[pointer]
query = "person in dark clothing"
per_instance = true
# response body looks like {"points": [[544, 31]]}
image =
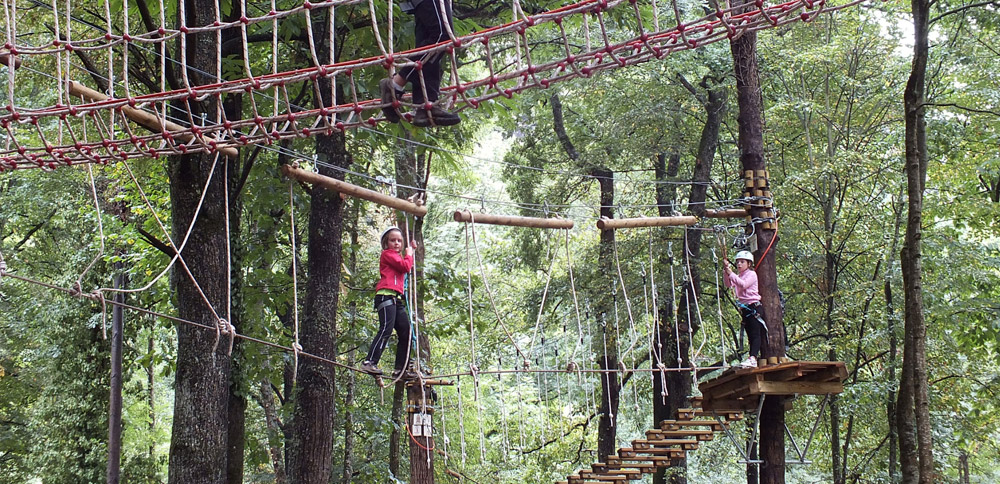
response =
{"points": [[430, 18]]}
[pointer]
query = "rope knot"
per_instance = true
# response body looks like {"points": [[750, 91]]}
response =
{"points": [[224, 326], [296, 347], [571, 366], [76, 290], [3, 267]]}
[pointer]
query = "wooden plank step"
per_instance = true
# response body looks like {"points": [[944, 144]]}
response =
{"points": [[692, 413], [679, 424], [644, 467], [656, 460], [629, 452], [701, 435], [615, 475], [582, 479], [686, 444]]}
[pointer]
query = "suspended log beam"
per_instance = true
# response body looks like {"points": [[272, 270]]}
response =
{"points": [[9, 60], [142, 118], [345, 188], [628, 223], [513, 220], [728, 213]]}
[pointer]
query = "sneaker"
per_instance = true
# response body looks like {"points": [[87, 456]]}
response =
{"points": [[370, 368], [390, 96], [436, 117], [750, 362]]}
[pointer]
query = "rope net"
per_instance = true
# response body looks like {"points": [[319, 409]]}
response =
{"points": [[53, 119]]}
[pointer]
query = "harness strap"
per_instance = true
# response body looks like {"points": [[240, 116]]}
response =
{"points": [[387, 302]]}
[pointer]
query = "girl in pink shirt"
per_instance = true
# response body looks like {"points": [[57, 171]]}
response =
{"points": [[744, 284], [393, 267]]}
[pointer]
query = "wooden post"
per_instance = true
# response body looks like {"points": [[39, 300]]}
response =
{"points": [[513, 220], [420, 430], [144, 119], [354, 190], [627, 223]]}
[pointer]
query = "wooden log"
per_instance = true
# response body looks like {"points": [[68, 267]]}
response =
{"points": [[728, 213], [142, 118], [628, 223], [7, 59], [354, 190], [513, 220]]}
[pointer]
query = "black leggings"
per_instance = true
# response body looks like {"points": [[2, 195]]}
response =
{"points": [[391, 316], [429, 28], [753, 327]]}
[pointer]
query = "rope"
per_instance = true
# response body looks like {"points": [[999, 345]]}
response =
{"points": [[718, 300], [486, 284], [632, 47]]}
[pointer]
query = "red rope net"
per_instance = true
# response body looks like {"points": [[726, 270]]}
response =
{"points": [[51, 120]]}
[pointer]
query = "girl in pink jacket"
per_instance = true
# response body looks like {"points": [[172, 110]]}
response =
{"points": [[744, 284], [393, 267]]}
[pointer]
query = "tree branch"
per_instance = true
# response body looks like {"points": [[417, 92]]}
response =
{"points": [[962, 9], [963, 108], [156, 243]]}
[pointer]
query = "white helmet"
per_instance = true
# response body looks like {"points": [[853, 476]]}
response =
{"points": [[745, 254], [386, 232]]}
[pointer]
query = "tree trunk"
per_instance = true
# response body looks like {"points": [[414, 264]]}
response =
{"points": [[273, 424], [666, 195], [199, 437], [916, 451], [605, 341], [311, 454], [751, 143]]}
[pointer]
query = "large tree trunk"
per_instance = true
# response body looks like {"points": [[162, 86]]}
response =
{"points": [[664, 405], [679, 383], [916, 454], [311, 454], [605, 338], [311, 449], [751, 143], [238, 387], [199, 439]]}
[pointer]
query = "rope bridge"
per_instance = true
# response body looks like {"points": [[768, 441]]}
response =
{"points": [[70, 124]]}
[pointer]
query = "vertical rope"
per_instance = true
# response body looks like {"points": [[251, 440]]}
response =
{"points": [[461, 418], [100, 228], [472, 324], [718, 300]]}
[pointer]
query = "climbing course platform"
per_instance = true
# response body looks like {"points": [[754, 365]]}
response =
{"points": [[742, 388], [724, 400]]}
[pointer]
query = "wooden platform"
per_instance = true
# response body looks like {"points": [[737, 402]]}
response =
{"points": [[740, 389]]}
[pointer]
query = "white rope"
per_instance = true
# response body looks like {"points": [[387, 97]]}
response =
{"points": [[489, 292], [541, 306], [718, 300], [673, 297]]}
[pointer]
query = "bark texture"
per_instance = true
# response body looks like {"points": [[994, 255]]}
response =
{"points": [[199, 439], [751, 143], [913, 406]]}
